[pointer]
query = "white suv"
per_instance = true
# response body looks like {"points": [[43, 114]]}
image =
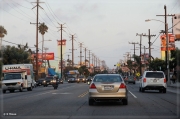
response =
{"points": [[153, 80]]}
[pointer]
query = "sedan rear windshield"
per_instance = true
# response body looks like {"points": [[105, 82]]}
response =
{"points": [[107, 79], [154, 75]]}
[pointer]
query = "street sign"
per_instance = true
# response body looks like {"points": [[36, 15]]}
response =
{"points": [[137, 74]]}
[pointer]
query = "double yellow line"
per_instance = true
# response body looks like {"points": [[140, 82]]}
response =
{"points": [[82, 95]]}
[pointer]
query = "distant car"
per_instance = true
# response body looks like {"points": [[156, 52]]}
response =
{"points": [[39, 82], [71, 79], [47, 81], [130, 79], [81, 79], [88, 80], [108, 87], [61, 81], [153, 80]]}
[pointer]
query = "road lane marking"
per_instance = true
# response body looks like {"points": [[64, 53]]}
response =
{"points": [[133, 94], [82, 95]]}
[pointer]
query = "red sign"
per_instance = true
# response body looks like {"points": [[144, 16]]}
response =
{"points": [[44, 56], [63, 42]]}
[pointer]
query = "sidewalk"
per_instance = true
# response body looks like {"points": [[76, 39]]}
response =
{"points": [[174, 85]]}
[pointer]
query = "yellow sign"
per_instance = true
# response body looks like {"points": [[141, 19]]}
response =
{"points": [[118, 64], [137, 74]]}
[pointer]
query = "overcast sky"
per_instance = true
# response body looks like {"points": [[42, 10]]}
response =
{"points": [[103, 26]]}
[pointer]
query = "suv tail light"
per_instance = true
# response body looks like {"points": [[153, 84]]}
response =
{"points": [[122, 85], [164, 80], [92, 86], [144, 80]]}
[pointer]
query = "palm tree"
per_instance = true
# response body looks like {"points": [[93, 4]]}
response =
{"points": [[3, 32], [43, 29]]}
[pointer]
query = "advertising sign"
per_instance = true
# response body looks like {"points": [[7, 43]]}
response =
{"points": [[171, 39], [176, 27], [45, 56], [63, 42]]}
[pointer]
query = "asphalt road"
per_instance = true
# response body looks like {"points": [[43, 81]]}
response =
{"points": [[70, 101]]}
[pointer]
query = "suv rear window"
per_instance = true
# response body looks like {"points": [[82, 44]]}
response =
{"points": [[154, 75]]}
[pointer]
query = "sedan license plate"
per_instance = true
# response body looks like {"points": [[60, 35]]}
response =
{"points": [[108, 87], [47, 83]]}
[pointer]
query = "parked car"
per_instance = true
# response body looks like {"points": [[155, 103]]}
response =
{"points": [[47, 81], [108, 87], [39, 82], [81, 78], [130, 79], [153, 80]]}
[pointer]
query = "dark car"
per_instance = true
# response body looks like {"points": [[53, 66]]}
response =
{"points": [[81, 79], [71, 79], [47, 81], [130, 79], [39, 82]]}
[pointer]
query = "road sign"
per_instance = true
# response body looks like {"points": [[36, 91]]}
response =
{"points": [[137, 74]]}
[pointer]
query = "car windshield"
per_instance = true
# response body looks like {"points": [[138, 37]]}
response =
{"points": [[48, 78], [81, 76], [72, 76], [154, 75], [107, 78], [130, 77], [12, 76]]}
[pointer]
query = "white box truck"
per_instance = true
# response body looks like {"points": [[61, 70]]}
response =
{"points": [[17, 77]]}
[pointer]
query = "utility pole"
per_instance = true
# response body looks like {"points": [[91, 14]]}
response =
{"points": [[73, 50], [80, 53], [167, 43], [140, 49], [37, 20], [85, 56], [61, 28], [92, 60], [89, 57], [149, 37], [134, 47]]}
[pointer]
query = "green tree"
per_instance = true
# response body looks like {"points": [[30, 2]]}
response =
{"points": [[158, 65], [43, 29], [14, 55]]}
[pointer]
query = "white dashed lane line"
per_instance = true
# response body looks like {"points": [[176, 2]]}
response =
{"points": [[132, 94]]}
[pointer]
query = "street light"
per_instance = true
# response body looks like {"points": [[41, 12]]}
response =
{"points": [[167, 45]]}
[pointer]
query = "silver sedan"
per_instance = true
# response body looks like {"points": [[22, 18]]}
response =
{"points": [[108, 87]]}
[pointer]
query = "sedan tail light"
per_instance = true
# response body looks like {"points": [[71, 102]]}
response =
{"points": [[122, 85], [144, 80], [92, 86]]}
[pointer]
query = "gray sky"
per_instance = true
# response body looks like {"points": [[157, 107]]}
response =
{"points": [[104, 26]]}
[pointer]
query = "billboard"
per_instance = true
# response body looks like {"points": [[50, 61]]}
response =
{"points": [[44, 56], [171, 39], [176, 27]]}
